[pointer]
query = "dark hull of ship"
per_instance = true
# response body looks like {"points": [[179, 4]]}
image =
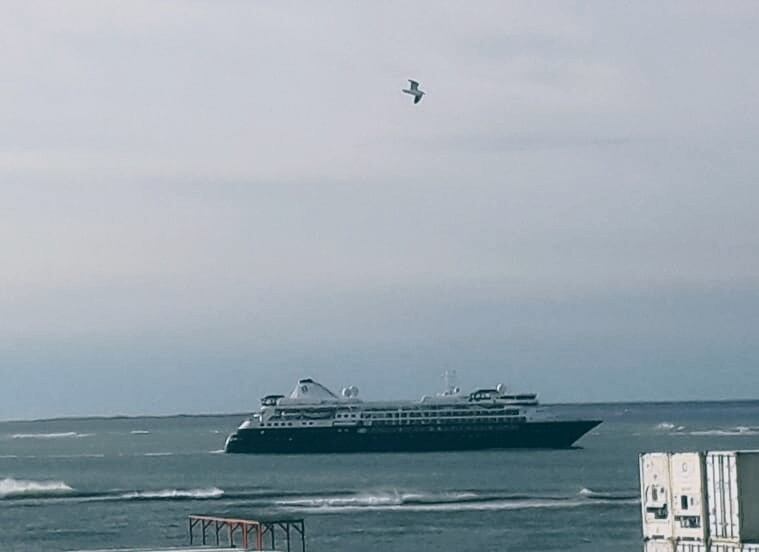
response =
{"points": [[550, 434]]}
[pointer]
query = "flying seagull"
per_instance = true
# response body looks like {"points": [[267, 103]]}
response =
{"points": [[414, 91]]}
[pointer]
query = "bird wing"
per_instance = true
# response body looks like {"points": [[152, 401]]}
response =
{"points": [[414, 84], [418, 99]]}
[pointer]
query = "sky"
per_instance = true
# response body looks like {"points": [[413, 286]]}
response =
{"points": [[201, 202]]}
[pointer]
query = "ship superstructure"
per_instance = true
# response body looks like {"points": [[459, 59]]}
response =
{"points": [[314, 419]]}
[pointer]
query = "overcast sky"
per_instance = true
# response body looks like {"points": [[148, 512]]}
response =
{"points": [[201, 202]]}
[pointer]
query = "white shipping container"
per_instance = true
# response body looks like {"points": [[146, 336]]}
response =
{"points": [[732, 481], [731, 547], [659, 545], [655, 493], [688, 498], [691, 546]]}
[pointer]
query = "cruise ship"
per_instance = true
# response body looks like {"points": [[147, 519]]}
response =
{"points": [[313, 419]]}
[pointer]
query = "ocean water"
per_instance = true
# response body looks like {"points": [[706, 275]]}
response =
{"points": [[80, 484]]}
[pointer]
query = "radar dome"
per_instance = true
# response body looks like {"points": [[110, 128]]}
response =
{"points": [[501, 388], [353, 390], [346, 392]]}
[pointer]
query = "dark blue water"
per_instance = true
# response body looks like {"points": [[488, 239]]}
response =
{"points": [[85, 484]]}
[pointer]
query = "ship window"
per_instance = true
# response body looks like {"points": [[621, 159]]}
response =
{"points": [[684, 502]]}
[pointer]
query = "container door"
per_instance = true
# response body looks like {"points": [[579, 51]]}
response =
{"points": [[656, 496], [688, 496], [722, 493], [748, 496]]}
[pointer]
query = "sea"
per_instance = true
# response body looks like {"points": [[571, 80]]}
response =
{"points": [[111, 483]]}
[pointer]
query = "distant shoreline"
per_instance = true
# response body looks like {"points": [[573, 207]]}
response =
{"points": [[243, 414]]}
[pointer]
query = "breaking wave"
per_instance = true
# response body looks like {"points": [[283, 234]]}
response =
{"points": [[59, 490], [173, 494], [730, 432], [86, 455], [609, 495], [22, 488], [324, 503], [451, 501], [60, 435]]}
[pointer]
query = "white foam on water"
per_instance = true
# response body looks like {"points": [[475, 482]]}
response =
{"points": [[442, 502], [93, 455], [619, 496], [493, 505], [139, 432], [198, 494], [388, 498], [20, 488], [59, 435], [665, 426], [158, 454], [738, 431]]}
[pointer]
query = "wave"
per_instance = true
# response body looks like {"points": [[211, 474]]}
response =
{"points": [[450, 501], [394, 498], [22, 488], [732, 432], [90, 455], [60, 435], [738, 431], [139, 432], [665, 426], [173, 494], [610, 495], [321, 503], [158, 454], [59, 490]]}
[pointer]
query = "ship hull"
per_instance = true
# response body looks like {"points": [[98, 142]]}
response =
{"points": [[548, 434]]}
